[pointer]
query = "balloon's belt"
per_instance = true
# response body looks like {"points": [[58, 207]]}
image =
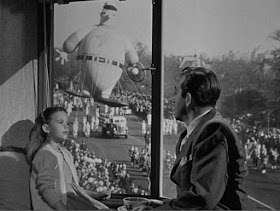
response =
{"points": [[100, 59]]}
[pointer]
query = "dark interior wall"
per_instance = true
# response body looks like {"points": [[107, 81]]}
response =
{"points": [[18, 69], [18, 21]]}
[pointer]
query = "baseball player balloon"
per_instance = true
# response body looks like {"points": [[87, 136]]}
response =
{"points": [[102, 53]]}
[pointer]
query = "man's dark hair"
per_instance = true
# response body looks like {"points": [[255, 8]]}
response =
{"points": [[202, 84]]}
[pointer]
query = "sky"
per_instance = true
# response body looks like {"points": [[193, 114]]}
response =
{"points": [[213, 27]]}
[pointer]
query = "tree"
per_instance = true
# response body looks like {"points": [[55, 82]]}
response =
{"points": [[171, 74], [235, 73], [242, 88], [275, 60]]}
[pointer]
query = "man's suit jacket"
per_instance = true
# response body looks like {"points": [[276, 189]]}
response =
{"points": [[210, 168]]}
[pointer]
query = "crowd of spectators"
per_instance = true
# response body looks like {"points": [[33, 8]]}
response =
{"points": [[139, 103], [262, 145], [98, 174]]}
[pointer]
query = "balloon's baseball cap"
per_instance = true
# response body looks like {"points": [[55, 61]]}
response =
{"points": [[111, 5]]}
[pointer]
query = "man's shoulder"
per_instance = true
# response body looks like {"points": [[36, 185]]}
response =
{"points": [[218, 124]]}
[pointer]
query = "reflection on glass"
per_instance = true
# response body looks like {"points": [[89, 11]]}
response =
{"points": [[234, 40], [101, 49]]}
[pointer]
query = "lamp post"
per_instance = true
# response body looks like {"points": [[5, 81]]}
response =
{"points": [[262, 140], [268, 118], [268, 115]]}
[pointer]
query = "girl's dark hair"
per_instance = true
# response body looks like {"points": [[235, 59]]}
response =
{"points": [[37, 136], [202, 84]]}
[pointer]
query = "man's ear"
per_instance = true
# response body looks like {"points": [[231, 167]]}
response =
{"points": [[45, 128], [188, 99]]}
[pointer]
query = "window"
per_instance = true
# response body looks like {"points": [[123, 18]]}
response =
{"points": [[239, 41], [96, 89]]}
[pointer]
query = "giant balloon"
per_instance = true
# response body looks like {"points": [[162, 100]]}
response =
{"points": [[102, 53], [102, 56]]}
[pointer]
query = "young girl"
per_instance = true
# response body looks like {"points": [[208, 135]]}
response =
{"points": [[54, 182]]}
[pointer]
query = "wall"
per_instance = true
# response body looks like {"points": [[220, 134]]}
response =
{"points": [[18, 70], [18, 102]]}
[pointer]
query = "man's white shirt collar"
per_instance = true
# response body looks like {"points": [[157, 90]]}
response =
{"points": [[192, 126]]}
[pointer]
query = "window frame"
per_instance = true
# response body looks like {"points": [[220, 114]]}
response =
{"points": [[46, 47]]}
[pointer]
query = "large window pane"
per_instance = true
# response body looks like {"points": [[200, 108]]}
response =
{"points": [[239, 41], [109, 110]]}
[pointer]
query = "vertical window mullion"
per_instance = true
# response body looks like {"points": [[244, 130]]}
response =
{"points": [[157, 100]]}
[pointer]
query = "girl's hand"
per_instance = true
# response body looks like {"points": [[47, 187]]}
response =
{"points": [[104, 194], [155, 203]]}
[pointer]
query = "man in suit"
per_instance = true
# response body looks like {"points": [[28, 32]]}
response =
{"points": [[210, 167]]}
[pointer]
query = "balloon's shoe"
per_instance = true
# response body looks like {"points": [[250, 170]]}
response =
{"points": [[111, 102], [86, 92], [78, 93]]}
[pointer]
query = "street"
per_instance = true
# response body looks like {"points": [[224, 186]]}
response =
{"points": [[263, 189]]}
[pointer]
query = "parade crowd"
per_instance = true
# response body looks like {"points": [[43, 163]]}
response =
{"points": [[98, 174], [262, 145]]}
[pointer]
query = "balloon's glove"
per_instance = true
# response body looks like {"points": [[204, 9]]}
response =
{"points": [[62, 56]]}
